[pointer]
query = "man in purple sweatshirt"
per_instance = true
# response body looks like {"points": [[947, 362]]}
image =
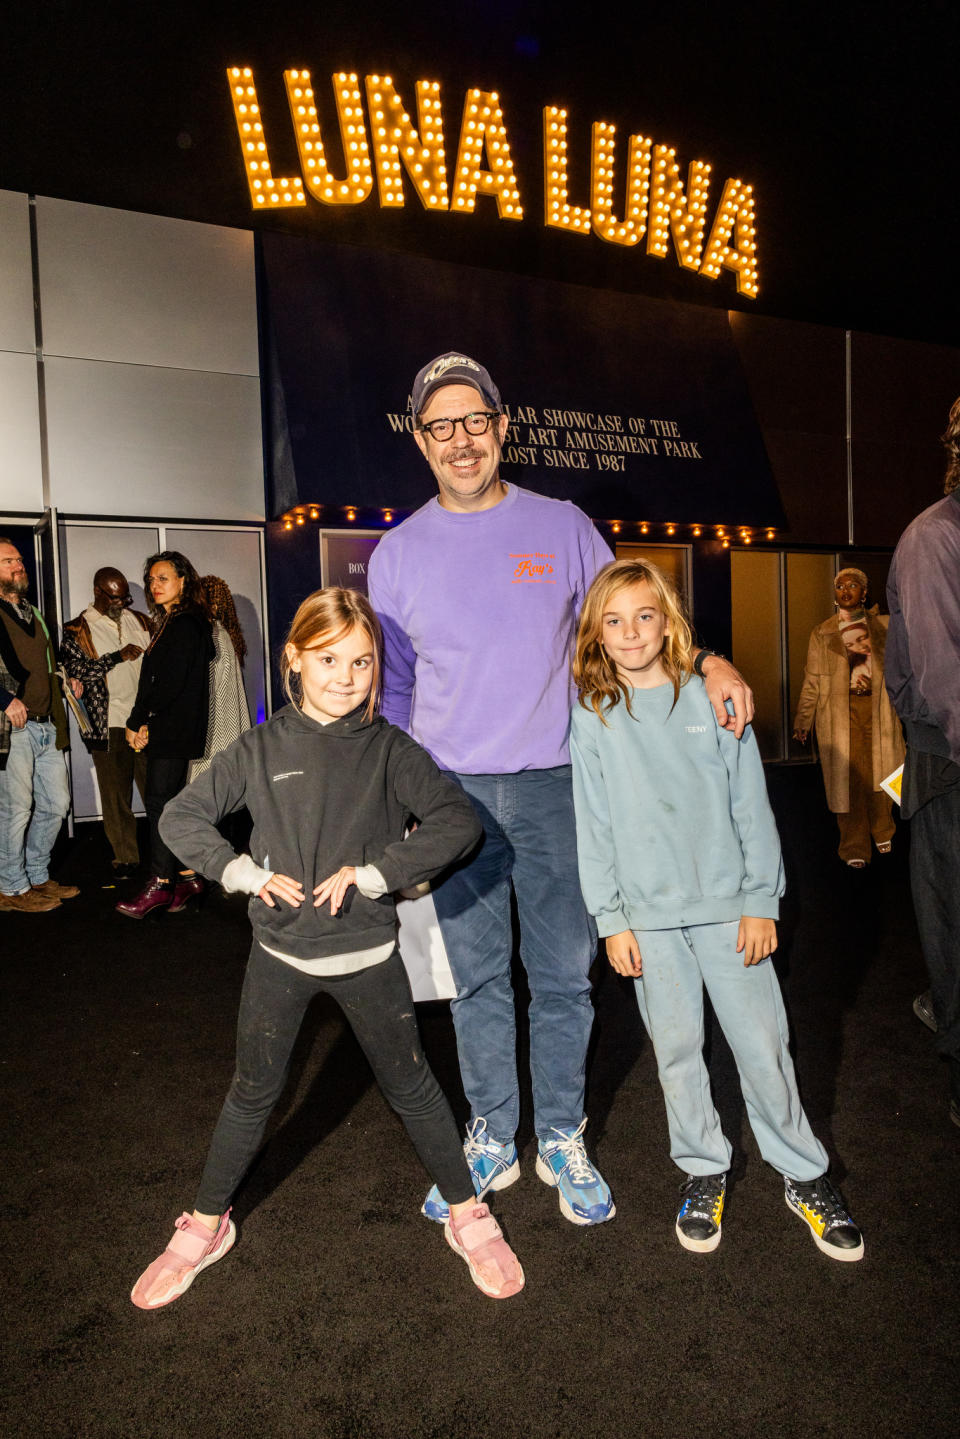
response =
{"points": [[478, 593], [922, 672]]}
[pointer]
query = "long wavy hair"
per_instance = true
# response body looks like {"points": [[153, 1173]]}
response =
{"points": [[951, 443], [324, 618], [191, 597], [219, 605], [598, 685]]}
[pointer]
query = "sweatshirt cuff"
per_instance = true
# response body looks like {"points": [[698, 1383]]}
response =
{"points": [[760, 906], [244, 876], [370, 882], [612, 921]]}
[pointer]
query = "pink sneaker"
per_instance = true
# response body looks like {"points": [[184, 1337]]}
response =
{"points": [[193, 1248], [477, 1237]]}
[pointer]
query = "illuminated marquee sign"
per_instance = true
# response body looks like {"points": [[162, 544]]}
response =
{"points": [[655, 203]]}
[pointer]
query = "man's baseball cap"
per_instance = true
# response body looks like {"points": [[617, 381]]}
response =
{"points": [[453, 369]]}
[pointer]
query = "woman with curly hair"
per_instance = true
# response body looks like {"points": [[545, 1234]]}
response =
{"points": [[228, 715], [169, 716]]}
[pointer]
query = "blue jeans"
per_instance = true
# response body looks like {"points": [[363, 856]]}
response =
{"points": [[677, 964], [529, 839], [34, 801]]}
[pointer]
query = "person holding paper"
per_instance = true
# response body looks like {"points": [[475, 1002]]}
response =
{"points": [[858, 734], [103, 648]]}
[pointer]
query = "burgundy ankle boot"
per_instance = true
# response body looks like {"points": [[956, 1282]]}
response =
{"points": [[156, 894], [188, 887]]}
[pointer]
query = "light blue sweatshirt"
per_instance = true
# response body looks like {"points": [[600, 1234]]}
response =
{"points": [[674, 827]]}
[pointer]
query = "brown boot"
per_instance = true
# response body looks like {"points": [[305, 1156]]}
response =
{"points": [[33, 902], [50, 889]]}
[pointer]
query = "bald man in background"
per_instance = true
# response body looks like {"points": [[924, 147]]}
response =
{"points": [[103, 647]]}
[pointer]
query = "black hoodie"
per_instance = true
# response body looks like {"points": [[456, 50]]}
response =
{"points": [[324, 796]]}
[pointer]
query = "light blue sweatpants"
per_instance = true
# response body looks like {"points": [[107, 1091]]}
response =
{"points": [[677, 964]]}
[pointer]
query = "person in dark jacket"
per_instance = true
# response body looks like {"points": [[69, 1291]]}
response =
{"points": [[169, 716], [923, 679], [332, 789], [34, 793]]}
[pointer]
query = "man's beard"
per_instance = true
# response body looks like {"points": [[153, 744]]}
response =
{"points": [[14, 589]]}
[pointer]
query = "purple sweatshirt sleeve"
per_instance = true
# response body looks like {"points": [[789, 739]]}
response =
{"points": [[399, 660]]}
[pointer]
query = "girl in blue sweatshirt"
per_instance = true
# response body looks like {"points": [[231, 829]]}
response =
{"points": [[680, 865], [332, 789]]}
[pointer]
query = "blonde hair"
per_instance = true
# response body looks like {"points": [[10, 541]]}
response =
{"points": [[325, 617], [594, 673]]}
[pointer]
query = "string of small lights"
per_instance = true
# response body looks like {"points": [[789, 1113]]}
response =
{"points": [[659, 531]]}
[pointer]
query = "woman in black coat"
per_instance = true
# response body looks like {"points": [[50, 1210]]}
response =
{"points": [[169, 716]]}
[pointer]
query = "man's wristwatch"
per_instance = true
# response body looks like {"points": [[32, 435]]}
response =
{"points": [[704, 654]]}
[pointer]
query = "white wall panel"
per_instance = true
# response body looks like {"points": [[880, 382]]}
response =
{"points": [[17, 331], [84, 549], [134, 440], [21, 479], [146, 290]]}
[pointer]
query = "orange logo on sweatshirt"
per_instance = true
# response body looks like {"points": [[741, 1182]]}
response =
{"points": [[533, 569]]}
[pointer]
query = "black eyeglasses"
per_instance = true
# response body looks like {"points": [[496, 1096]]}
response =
{"points": [[476, 423]]}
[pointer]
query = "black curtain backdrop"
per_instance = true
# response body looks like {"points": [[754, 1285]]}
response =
{"points": [[632, 408]]}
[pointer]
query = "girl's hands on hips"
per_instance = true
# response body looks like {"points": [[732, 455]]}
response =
{"points": [[623, 953], [335, 888], [756, 939], [284, 888]]}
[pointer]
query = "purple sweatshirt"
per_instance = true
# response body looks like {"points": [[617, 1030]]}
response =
{"points": [[479, 612]]}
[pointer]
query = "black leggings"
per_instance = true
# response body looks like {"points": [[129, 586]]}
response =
{"points": [[166, 777], [379, 1006]]}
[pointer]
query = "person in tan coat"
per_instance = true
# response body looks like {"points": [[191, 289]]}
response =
{"points": [[858, 733]]}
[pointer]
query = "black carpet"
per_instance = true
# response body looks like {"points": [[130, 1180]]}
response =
{"points": [[341, 1312]]}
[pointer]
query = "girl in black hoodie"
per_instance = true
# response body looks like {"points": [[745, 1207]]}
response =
{"points": [[332, 789]]}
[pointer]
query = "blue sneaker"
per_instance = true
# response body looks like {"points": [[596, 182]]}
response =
{"points": [[585, 1196], [492, 1166]]}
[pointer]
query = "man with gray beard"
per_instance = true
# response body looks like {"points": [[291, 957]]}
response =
{"points": [[34, 794]]}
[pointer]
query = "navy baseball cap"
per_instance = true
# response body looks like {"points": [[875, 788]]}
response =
{"points": [[453, 369]]}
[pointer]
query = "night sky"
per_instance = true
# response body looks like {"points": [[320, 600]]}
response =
{"points": [[842, 117]]}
